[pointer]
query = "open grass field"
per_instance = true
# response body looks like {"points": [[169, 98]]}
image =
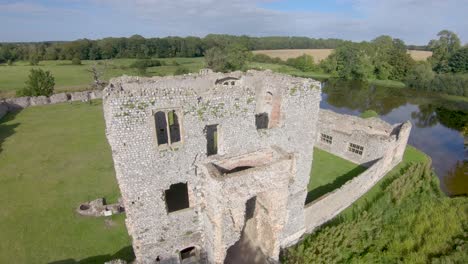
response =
{"points": [[320, 54], [70, 77], [52, 158]]}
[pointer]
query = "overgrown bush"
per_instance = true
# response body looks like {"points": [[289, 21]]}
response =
{"points": [[409, 220], [303, 63], [263, 58], [76, 61], [146, 63], [39, 83], [180, 70]]}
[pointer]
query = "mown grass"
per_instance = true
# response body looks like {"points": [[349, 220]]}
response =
{"points": [[52, 158], [70, 77], [405, 218], [328, 173]]}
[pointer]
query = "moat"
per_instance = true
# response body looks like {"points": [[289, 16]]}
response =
{"points": [[437, 123]]}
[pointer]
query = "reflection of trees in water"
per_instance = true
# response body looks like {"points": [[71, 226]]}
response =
{"points": [[426, 116], [452, 119], [360, 96], [456, 181]]}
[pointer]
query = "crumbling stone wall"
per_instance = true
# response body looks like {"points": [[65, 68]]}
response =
{"points": [[237, 103], [373, 134], [15, 104], [384, 146]]}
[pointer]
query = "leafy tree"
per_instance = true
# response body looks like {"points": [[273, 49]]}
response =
{"points": [[458, 62], [442, 49], [352, 62], [34, 60], [232, 58], [39, 83], [216, 59], [420, 76]]}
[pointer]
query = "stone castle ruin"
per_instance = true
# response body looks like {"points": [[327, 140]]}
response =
{"points": [[207, 162]]}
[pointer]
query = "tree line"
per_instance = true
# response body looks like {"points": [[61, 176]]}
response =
{"points": [[139, 47]]}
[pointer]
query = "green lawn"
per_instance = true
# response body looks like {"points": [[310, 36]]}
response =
{"points": [[52, 158], [329, 172], [70, 77]]}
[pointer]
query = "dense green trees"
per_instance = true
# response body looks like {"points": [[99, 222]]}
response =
{"points": [[231, 58], [139, 47], [304, 63], [445, 70], [39, 82], [442, 49]]}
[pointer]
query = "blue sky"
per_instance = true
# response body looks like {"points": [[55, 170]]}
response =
{"points": [[414, 21]]}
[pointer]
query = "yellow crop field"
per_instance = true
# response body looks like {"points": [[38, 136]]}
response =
{"points": [[320, 54]]}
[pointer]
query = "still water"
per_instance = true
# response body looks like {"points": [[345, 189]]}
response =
{"points": [[437, 123]]}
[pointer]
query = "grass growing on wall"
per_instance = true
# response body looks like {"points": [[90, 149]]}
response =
{"points": [[52, 158], [404, 219]]}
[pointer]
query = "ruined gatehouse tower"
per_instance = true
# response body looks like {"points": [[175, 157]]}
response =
{"points": [[204, 159]]}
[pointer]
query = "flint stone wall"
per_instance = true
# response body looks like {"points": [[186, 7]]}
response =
{"points": [[15, 104], [375, 135], [144, 171], [393, 147]]}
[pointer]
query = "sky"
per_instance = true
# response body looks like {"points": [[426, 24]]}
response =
{"points": [[414, 21]]}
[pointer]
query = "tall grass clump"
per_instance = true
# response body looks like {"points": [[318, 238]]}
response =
{"points": [[409, 221]]}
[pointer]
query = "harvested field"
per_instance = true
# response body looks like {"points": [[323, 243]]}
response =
{"points": [[420, 54], [284, 54], [320, 54]]}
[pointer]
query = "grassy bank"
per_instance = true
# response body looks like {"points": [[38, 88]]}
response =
{"points": [[52, 158], [403, 219]]}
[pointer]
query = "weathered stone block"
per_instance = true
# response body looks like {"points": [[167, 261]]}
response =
{"points": [[39, 100], [18, 103], [59, 98]]}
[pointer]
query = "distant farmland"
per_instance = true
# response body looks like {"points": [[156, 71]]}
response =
{"points": [[320, 54]]}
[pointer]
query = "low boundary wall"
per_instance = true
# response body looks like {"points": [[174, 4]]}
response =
{"points": [[330, 205], [14, 104]]}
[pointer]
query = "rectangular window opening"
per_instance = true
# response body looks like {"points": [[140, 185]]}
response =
{"points": [[177, 197], [161, 128], [326, 138], [174, 128], [212, 139], [354, 148], [261, 121]]}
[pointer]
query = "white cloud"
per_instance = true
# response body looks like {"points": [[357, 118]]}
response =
{"points": [[415, 21]]}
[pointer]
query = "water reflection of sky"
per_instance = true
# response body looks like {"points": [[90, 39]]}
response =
{"points": [[444, 145]]}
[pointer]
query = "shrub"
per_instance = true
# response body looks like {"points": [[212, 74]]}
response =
{"points": [[263, 58], [369, 113], [39, 83], [420, 76], [34, 61], [10, 62], [145, 63], [181, 70], [303, 63], [76, 61]]}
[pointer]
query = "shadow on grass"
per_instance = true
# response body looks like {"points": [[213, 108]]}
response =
{"points": [[337, 183], [125, 253], [7, 130]]}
